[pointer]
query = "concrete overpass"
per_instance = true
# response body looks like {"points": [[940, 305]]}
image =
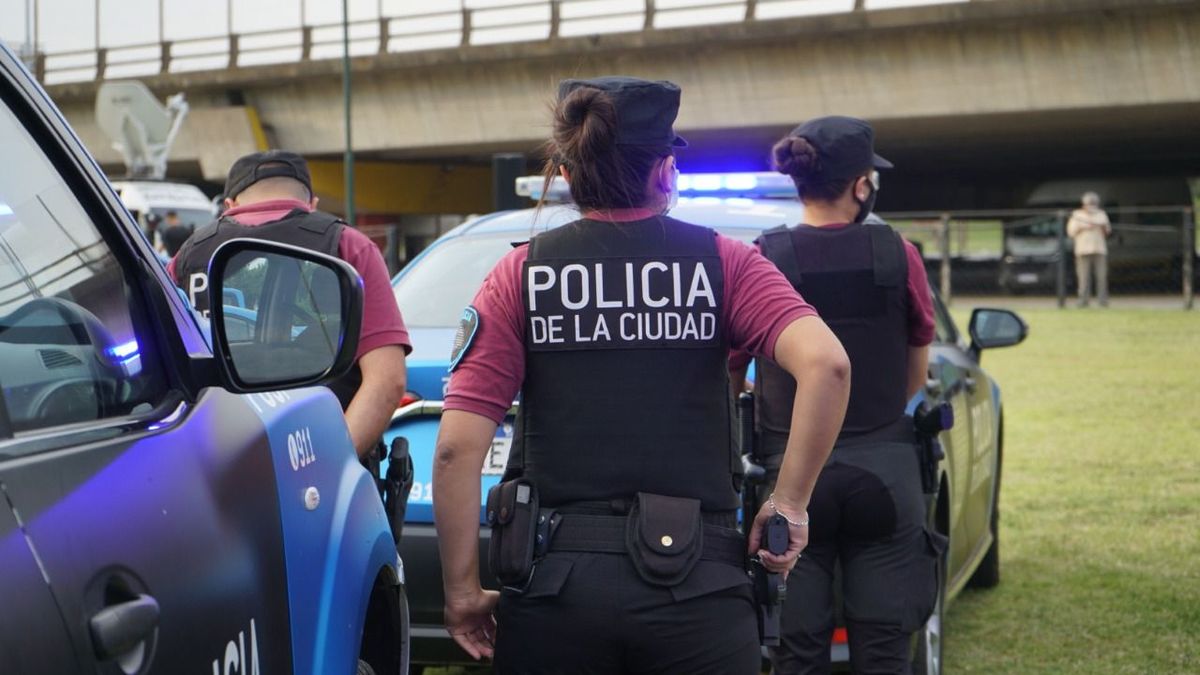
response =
{"points": [[972, 100]]}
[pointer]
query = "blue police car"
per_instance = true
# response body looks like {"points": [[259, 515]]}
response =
{"points": [[435, 287], [172, 501]]}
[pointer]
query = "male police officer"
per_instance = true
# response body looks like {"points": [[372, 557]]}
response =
{"points": [[268, 195]]}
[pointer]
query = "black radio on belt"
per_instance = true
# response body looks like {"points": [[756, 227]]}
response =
{"points": [[928, 422], [512, 511]]}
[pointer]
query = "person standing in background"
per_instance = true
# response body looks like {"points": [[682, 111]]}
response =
{"points": [[1089, 228]]}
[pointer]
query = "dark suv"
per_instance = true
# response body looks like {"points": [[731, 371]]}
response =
{"points": [[172, 501]]}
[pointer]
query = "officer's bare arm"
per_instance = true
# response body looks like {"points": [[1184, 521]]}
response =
{"points": [[463, 442], [811, 354], [383, 385], [918, 369]]}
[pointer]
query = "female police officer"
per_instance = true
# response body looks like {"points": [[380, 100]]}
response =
{"points": [[615, 329], [867, 508]]}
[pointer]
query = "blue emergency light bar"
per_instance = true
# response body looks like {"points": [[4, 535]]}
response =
{"points": [[760, 185]]}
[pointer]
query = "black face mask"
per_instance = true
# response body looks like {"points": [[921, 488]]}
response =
{"points": [[865, 206]]}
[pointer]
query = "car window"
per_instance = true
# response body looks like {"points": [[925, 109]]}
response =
{"points": [[943, 325], [68, 349], [190, 218]]}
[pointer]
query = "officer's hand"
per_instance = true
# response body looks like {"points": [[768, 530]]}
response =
{"points": [[797, 540], [469, 621]]}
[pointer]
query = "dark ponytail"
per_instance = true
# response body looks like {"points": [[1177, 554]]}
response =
{"points": [[796, 157], [604, 175]]}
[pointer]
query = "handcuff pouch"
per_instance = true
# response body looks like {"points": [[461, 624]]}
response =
{"points": [[664, 537]]}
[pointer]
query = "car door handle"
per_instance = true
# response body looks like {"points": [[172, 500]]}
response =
{"points": [[117, 629]]}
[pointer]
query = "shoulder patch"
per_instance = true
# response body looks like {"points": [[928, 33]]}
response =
{"points": [[468, 325]]}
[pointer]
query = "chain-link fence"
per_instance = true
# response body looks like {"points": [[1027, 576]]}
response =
{"points": [[1151, 252]]}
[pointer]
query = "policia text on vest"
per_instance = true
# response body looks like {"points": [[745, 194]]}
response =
{"points": [[621, 304]]}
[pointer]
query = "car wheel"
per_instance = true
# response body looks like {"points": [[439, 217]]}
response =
{"points": [[928, 658], [987, 575], [386, 641]]}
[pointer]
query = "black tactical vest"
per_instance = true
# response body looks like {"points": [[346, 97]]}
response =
{"points": [[315, 231], [857, 279], [626, 387]]}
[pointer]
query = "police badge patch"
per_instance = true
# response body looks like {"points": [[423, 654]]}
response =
{"points": [[468, 325]]}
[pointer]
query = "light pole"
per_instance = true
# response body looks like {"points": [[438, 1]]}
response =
{"points": [[348, 160]]}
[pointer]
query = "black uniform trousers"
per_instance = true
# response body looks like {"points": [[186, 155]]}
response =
{"points": [[592, 613], [868, 514]]}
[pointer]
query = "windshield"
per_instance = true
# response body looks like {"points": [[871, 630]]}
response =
{"points": [[434, 290], [189, 218]]}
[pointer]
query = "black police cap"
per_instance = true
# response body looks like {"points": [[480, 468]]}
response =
{"points": [[250, 169], [646, 110], [845, 145]]}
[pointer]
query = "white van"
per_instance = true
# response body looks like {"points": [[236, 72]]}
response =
{"points": [[151, 201]]}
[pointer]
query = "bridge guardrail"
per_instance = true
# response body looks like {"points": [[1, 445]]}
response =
{"points": [[472, 23]]}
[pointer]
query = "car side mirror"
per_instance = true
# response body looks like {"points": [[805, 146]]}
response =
{"points": [[297, 321], [991, 328]]}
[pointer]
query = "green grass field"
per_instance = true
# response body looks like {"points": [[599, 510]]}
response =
{"points": [[1100, 529]]}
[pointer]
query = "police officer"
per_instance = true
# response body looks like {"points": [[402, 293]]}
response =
{"points": [[615, 329], [867, 508], [268, 195]]}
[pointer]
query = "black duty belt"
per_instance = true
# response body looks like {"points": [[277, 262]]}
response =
{"points": [[606, 534]]}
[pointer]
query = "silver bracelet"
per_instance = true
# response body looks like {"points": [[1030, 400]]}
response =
{"points": [[793, 523]]}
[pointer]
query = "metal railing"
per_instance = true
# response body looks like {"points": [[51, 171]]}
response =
{"points": [[514, 21], [1151, 251]]}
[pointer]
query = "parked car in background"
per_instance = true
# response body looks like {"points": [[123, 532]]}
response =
{"points": [[435, 287], [1145, 249], [173, 501]]}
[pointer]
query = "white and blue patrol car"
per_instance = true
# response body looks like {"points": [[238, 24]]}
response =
{"points": [[434, 289]]}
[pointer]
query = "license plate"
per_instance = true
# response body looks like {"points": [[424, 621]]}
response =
{"points": [[497, 457], [1027, 278]]}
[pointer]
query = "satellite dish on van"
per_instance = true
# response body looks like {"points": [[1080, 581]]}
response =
{"points": [[141, 128]]}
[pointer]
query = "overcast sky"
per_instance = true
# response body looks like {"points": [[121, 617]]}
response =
{"points": [[65, 25]]}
